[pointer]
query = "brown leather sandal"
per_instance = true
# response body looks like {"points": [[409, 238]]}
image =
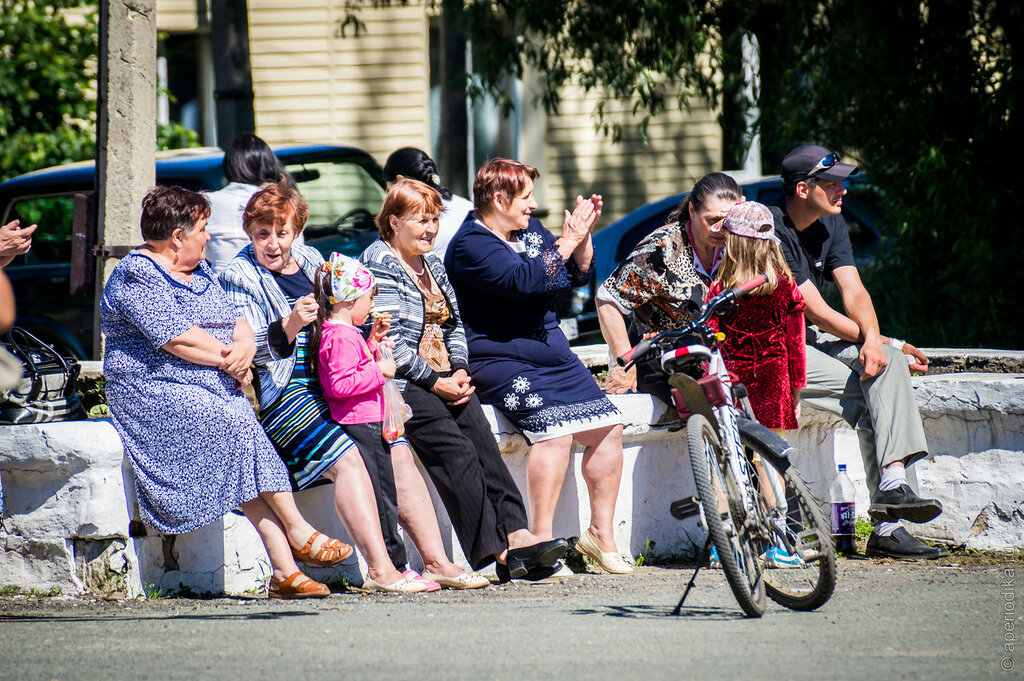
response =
{"points": [[331, 553], [287, 588]]}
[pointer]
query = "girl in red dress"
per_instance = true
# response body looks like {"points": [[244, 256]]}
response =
{"points": [[764, 334]]}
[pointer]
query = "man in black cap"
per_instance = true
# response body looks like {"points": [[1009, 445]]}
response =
{"points": [[852, 369]]}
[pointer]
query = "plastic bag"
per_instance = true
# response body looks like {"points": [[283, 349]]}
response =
{"points": [[396, 411]]}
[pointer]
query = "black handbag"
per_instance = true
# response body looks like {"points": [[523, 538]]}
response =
{"points": [[47, 389]]}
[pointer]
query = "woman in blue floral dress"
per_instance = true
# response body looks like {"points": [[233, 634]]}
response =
{"points": [[176, 355], [506, 270]]}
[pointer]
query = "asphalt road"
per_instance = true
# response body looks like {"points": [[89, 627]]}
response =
{"points": [[886, 620]]}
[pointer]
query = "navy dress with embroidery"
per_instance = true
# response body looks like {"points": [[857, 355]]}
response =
{"points": [[519, 359]]}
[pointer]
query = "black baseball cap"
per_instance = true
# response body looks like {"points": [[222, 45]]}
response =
{"points": [[811, 161]]}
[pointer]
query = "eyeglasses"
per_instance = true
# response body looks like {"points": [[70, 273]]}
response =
{"points": [[823, 165]]}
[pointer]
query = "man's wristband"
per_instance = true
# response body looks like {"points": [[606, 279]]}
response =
{"points": [[897, 343]]}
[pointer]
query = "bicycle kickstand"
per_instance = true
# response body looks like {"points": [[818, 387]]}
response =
{"points": [[701, 555]]}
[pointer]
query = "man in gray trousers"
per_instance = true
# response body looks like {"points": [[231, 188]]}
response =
{"points": [[853, 370]]}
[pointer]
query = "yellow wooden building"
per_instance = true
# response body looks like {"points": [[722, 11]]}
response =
{"points": [[312, 84]]}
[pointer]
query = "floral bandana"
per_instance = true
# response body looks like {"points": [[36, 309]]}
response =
{"points": [[349, 279]]}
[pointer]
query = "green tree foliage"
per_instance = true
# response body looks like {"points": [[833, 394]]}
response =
{"points": [[924, 96], [47, 112], [47, 86], [921, 94]]}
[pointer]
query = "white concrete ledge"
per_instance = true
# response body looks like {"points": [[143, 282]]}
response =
{"points": [[70, 504]]}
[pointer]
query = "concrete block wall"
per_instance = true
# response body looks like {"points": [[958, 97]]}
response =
{"points": [[70, 503]]}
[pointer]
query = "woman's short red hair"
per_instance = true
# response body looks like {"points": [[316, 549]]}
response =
{"points": [[407, 196], [501, 177], [273, 205]]}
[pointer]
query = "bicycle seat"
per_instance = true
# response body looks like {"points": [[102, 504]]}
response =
{"points": [[674, 360]]}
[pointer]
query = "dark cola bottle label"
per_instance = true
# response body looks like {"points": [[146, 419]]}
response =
{"points": [[844, 523]]}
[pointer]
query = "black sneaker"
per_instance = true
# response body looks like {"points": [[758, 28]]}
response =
{"points": [[901, 544], [902, 504]]}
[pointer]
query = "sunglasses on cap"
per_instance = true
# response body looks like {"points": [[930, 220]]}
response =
{"points": [[821, 166]]}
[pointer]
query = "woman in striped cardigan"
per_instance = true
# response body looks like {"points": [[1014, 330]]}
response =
{"points": [[448, 429], [270, 283]]}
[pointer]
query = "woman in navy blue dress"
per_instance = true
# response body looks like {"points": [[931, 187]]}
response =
{"points": [[506, 270]]}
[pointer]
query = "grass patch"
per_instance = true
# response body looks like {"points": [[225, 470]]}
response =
{"points": [[652, 557], [155, 593], [862, 530]]}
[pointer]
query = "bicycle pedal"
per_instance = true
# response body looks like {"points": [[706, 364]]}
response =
{"points": [[684, 508]]}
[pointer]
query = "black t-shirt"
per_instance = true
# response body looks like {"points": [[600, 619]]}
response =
{"points": [[295, 285], [816, 252]]}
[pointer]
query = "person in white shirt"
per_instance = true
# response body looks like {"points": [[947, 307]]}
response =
{"points": [[415, 164], [248, 163]]}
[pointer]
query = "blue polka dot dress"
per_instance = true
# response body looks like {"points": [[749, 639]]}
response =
{"points": [[196, 448]]}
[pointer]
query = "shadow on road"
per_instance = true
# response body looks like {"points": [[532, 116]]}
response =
{"points": [[130, 618], [658, 611]]}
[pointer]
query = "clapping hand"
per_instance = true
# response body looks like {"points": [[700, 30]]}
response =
{"points": [[583, 217]]}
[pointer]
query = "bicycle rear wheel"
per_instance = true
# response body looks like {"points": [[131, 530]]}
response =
{"points": [[724, 514], [794, 549]]}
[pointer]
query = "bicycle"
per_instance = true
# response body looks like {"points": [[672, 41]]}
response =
{"points": [[769, 532]]}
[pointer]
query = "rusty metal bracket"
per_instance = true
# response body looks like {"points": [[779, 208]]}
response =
{"points": [[111, 251]]}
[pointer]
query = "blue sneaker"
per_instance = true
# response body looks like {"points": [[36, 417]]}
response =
{"points": [[778, 557], [713, 558]]}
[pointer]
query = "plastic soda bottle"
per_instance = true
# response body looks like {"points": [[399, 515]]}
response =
{"points": [[844, 513]]}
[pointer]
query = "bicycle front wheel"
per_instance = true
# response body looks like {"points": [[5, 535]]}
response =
{"points": [[794, 547], [723, 511]]}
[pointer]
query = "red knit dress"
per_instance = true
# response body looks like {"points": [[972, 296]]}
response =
{"points": [[764, 347]]}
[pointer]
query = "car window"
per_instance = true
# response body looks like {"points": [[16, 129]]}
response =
{"points": [[768, 195], [51, 242], [343, 199], [336, 191]]}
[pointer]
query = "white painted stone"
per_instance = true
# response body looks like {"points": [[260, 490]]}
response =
{"points": [[69, 496]]}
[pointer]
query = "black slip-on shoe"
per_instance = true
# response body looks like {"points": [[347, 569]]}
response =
{"points": [[901, 544], [542, 553], [534, 574], [902, 504]]}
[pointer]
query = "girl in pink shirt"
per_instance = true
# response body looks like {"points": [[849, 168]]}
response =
{"points": [[352, 380]]}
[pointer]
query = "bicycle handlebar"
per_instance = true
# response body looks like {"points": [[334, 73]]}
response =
{"points": [[724, 298]]}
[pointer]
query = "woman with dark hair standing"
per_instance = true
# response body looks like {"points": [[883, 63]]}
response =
{"points": [[664, 281], [248, 163], [410, 162]]}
